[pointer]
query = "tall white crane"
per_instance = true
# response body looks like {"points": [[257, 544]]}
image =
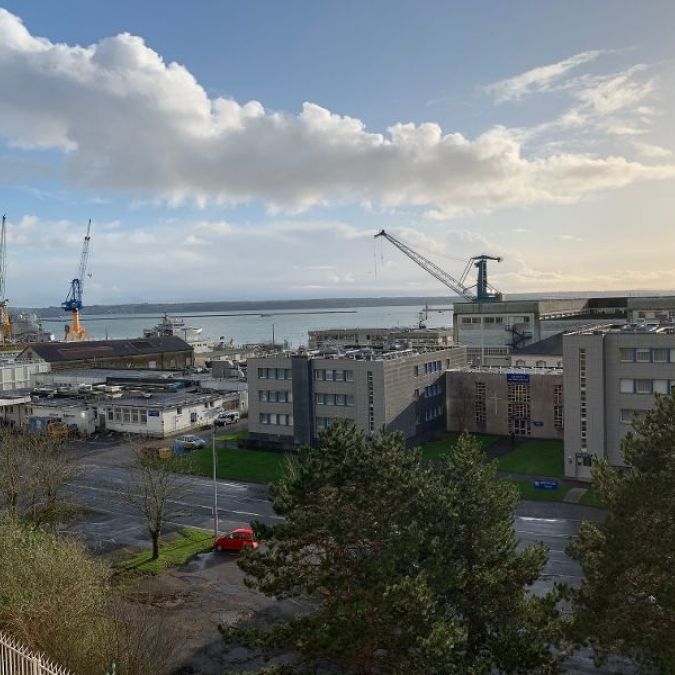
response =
{"points": [[484, 292]]}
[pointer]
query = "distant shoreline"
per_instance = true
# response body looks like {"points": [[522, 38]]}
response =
{"points": [[312, 303]]}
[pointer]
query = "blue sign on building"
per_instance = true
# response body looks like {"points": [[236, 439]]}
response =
{"points": [[520, 378], [537, 424], [153, 413]]}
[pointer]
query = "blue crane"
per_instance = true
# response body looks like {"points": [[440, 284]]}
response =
{"points": [[73, 301]]}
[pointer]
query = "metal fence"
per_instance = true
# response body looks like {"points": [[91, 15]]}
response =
{"points": [[15, 659]]}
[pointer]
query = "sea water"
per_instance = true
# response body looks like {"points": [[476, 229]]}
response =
{"points": [[244, 327]]}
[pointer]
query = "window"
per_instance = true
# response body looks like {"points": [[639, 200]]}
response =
{"points": [[134, 415], [627, 416], [126, 415], [281, 396], [627, 355], [276, 419], [416, 370], [643, 355], [274, 373], [334, 399], [109, 414], [179, 410], [480, 403], [489, 319], [334, 375], [143, 416], [626, 386], [643, 386], [466, 319], [433, 413], [558, 407], [541, 364], [660, 355], [661, 386]]}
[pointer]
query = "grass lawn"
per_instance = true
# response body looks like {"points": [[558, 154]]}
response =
{"points": [[528, 491], [245, 464], [538, 457], [240, 435], [172, 553], [438, 448], [591, 498]]}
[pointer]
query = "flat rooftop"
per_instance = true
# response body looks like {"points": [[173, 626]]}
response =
{"points": [[509, 370], [645, 328], [364, 354]]}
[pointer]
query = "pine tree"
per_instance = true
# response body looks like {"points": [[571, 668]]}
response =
{"points": [[626, 603], [408, 569]]}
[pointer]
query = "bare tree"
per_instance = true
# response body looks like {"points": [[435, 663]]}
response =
{"points": [[153, 489], [34, 473]]}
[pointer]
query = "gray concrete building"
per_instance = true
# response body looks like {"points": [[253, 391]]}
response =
{"points": [[293, 397], [492, 330], [527, 402], [379, 338], [611, 375]]}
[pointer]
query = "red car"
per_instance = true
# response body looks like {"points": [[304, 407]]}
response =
{"points": [[236, 540]]}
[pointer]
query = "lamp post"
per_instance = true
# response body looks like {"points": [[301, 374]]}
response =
{"points": [[215, 481]]}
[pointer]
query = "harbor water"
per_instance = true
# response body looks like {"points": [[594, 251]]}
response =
{"points": [[259, 325]]}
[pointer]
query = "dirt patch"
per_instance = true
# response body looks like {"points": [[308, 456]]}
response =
{"points": [[195, 599]]}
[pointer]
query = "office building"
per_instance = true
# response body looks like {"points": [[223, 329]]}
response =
{"points": [[292, 397], [611, 374], [379, 338], [527, 402]]}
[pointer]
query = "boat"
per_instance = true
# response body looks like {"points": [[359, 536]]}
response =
{"points": [[174, 325], [27, 327]]}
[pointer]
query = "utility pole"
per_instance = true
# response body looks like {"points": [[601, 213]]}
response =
{"points": [[215, 480]]}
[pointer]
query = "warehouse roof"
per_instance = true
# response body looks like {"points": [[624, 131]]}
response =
{"points": [[54, 352]]}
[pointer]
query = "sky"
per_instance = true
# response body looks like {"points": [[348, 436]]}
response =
{"points": [[250, 150]]}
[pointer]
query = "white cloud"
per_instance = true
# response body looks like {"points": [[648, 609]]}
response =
{"points": [[537, 79], [569, 237], [652, 151], [128, 121]]}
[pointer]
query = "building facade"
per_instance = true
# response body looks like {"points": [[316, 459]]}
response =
{"points": [[379, 338], [527, 402], [611, 375], [292, 398]]}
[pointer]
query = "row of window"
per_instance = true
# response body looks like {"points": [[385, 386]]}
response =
{"points": [[325, 422], [432, 390], [432, 413], [433, 367], [281, 396], [278, 419], [274, 373], [329, 375], [127, 415], [476, 320], [334, 399], [627, 416], [644, 386], [640, 355]]}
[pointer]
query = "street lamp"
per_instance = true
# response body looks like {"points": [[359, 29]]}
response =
{"points": [[215, 481]]}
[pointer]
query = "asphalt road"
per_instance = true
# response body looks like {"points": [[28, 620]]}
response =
{"points": [[114, 523]]}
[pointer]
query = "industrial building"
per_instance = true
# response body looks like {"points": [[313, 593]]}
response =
{"points": [[294, 396], [492, 330], [546, 353], [379, 338], [611, 374], [169, 352], [17, 375], [527, 402]]}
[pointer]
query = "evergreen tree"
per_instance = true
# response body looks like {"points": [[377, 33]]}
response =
{"points": [[408, 569], [626, 603]]}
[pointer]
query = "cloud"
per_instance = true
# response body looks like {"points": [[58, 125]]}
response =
{"points": [[652, 151], [537, 79], [125, 120], [569, 237]]}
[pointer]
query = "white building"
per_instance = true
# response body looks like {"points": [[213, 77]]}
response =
{"points": [[161, 415]]}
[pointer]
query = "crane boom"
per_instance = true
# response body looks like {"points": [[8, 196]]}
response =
{"points": [[73, 300], [484, 292], [455, 285]]}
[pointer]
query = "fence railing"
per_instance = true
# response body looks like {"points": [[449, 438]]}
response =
{"points": [[16, 659]]}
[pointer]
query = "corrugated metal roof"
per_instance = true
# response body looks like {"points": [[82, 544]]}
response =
{"points": [[54, 352]]}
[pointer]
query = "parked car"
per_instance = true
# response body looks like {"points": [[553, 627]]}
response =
{"points": [[190, 442], [236, 540], [225, 418]]}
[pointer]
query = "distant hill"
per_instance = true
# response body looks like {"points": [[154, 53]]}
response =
{"points": [[312, 303]]}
